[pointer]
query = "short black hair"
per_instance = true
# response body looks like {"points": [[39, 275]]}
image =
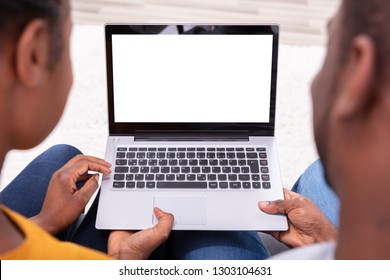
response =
{"points": [[371, 18], [16, 14]]}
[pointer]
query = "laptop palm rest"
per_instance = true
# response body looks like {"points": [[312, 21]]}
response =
{"points": [[187, 210]]}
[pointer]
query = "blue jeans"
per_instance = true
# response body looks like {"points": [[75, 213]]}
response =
{"points": [[26, 193]]}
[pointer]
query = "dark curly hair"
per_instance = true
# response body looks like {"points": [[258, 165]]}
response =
{"points": [[16, 14]]}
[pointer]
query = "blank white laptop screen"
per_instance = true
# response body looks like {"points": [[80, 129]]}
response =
{"points": [[192, 79]]}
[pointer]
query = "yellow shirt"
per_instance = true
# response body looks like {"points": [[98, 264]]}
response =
{"points": [[39, 245]]}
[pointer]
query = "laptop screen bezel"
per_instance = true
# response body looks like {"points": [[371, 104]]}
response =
{"points": [[250, 129]]}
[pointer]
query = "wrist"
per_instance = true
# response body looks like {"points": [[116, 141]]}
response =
{"points": [[44, 223], [329, 233]]}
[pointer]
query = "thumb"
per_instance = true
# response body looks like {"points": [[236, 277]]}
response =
{"points": [[276, 207], [85, 193], [164, 226]]}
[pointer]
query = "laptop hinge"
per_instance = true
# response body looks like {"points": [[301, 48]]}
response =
{"points": [[191, 136]]}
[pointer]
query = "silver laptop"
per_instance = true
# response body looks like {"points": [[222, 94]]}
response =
{"points": [[191, 127]]}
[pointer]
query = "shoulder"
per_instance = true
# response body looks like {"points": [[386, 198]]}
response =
{"points": [[321, 251], [40, 245]]}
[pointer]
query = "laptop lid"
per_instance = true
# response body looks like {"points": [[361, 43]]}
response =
{"points": [[201, 79]]}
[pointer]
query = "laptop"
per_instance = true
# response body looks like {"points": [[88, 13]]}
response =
{"points": [[191, 127]]}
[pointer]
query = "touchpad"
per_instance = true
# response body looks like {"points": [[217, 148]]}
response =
{"points": [[188, 210]]}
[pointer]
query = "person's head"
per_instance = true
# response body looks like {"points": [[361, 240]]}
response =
{"points": [[35, 69], [351, 94]]}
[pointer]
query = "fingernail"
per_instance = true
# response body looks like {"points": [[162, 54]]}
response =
{"points": [[264, 203]]}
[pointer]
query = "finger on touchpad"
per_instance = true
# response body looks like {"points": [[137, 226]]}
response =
{"points": [[188, 210]]}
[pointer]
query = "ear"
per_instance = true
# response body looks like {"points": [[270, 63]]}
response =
{"points": [[357, 79], [32, 53]]}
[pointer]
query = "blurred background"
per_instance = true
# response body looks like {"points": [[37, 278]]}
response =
{"points": [[302, 21]]}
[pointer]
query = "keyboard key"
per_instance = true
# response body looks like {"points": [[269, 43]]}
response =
{"points": [[216, 169], [120, 155], [190, 155], [121, 169], [193, 162], [152, 149], [172, 149], [191, 177], [232, 177], [118, 185], [143, 149], [163, 162], [141, 155], [231, 155], [170, 177], [181, 149], [173, 162], [211, 177], [240, 155], [181, 155], [160, 177], [223, 162], [229, 149], [121, 162], [210, 155], [213, 185], [263, 162], [161, 149], [223, 185], [134, 169], [250, 149], [226, 169], [264, 170], [245, 170], [180, 177], [133, 162], [262, 155], [185, 169], [171, 155], [255, 177], [266, 185], [203, 162], [121, 149], [155, 169], [201, 155], [244, 177], [236, 170], [242, 162], [129, 177], [133, 149], [191, 149], [235, 185], [220, 149], [246, 185], [211, 149], [175, 169], [251, 155], [201, 177], [221, 155], [143, 162], [164, 169], [149, 177], [140, 185], [265, 178], [195, 170], [254, 166], [151, 155], [139, 177], [261, 149], [239, 149], [130, 185], [144, 169], [233, 162], [201, 149], [153, 162], [119, 177], [183, 162], [213, 162], [256, 185], [130, 155], [182, 185], [206, 169], [222, 177], [150, 185]]}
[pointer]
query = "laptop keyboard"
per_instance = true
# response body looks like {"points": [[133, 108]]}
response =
{"points": [[191, 168]]}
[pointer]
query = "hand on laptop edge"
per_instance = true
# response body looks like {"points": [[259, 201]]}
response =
{"points": [[138, 245], [307, 224], [64, 202]]}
